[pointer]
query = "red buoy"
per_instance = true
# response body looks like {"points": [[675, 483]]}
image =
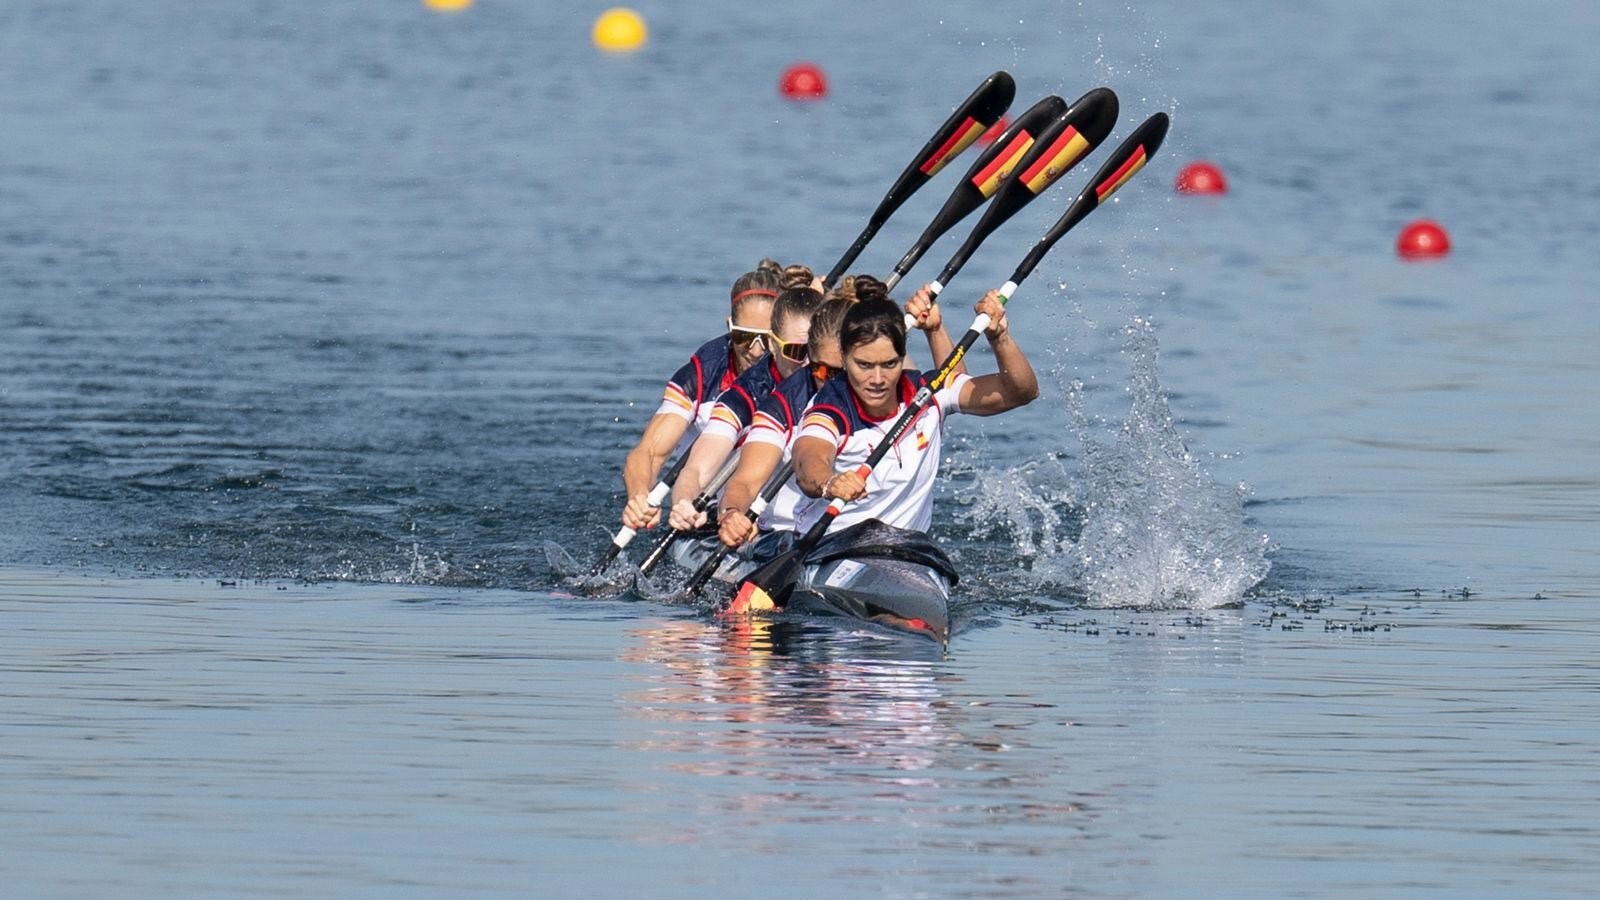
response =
{"points": [[803, 81], [995, 130], [1201, 178], [1422, 239]]}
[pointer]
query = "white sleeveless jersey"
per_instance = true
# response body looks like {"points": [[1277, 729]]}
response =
{"points": [[900, 488]]}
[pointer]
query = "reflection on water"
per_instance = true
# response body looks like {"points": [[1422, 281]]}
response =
{"points": [[793, 695], [791, 731]]}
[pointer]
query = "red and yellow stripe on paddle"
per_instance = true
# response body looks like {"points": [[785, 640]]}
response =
{"points": [[1120, 177], [963, 137], [1061, 155], [988, 180]]}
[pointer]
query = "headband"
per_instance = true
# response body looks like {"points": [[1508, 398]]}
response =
{"points": [[753, 292]]}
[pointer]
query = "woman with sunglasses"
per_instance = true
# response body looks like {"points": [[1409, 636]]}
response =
{"points": [[849, 417], [693, 390], [775, 425], [735, 410]]}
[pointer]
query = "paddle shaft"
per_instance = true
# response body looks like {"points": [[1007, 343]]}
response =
{"points": [[775, 483], [702, 502], [655, 498], [1061, 143], [983, 108], [983, 179]]}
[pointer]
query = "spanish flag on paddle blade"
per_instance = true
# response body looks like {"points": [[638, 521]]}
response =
{"points": [[988, 180], [963, 137], [1120, 177], [1067, 148]]}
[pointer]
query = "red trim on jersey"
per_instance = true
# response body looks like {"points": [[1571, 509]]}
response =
{"points": [[906, 393], [699, 379], [788, 411]]}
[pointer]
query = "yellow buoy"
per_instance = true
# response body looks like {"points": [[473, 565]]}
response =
{"points": [[447, 5], [620, 30]]}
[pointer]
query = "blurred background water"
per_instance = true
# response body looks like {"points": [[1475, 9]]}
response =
{"points": [[361, 293]]}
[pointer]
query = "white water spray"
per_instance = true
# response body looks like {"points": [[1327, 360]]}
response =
{"points": [[1154, 530]]}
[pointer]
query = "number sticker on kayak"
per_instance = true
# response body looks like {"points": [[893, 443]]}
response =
{"points": [[843, 573]]}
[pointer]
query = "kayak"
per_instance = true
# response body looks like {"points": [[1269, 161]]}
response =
{"points": [[870, 572]]}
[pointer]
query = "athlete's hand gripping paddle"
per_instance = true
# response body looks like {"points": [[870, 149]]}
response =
{"points": [[775, 483], [702, 502], [760, 589], [654, 499]]}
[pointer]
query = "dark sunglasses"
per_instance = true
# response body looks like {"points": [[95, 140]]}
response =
{"points": [[743, 336], [796, 351], [822, 371]]}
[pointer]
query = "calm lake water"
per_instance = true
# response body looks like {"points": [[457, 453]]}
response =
{"points": [[319, 323]]}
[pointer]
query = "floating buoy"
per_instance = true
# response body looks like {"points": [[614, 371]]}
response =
{"points": [[1422, 239], [803, 81], [995, 130], [620, 30], [1201, 178], [447, 5]]}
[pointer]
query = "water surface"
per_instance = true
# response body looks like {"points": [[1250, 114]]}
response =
{"points": [[1282, 588]]}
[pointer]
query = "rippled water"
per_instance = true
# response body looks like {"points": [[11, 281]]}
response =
{"points": [[339, 313]]}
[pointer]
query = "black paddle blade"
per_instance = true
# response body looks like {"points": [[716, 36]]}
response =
{"points": [[971, 119], [1123, 163], [984, 178], [1071, 137]]}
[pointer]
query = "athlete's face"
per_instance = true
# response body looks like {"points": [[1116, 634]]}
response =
{"points": [[756, 315], [827, 352], [792, 331], [874, 369]]}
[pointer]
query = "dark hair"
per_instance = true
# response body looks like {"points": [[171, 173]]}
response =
{"points": [[825, 324], [762, 283], [795, 302], [869, 288], [871, 319]]}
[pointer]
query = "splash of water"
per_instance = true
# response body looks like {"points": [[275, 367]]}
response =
{"points": [[616, 576], [1152, 529]]}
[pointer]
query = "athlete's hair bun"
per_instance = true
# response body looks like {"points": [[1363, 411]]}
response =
{"points": [[797, 277], [870, 288]]}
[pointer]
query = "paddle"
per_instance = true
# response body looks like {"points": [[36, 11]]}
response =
{"points": [[769, 490], [1070, 138], [757, 591], [983, 179], [971, 119], [657, 495], [975, 114], [702, 502]]}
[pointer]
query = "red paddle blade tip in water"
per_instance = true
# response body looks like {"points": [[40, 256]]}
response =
{"points": [[750, 599]]}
